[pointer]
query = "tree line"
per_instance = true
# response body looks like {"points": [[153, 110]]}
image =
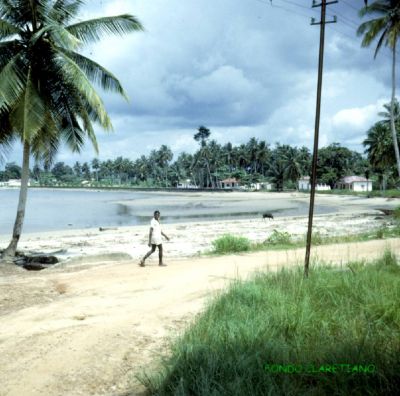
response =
{"points": [[251, 162]]}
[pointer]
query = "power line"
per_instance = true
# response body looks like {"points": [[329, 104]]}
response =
{"points": [[350, 5], [340, 22]]}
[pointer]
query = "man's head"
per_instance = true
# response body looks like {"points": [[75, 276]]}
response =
{"points": [[157, 214]]}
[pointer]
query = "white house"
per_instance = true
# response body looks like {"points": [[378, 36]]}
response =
{"points": [[186, 184], [229, 183], [13, 183], [355, 183], [261, 186], [305, 184]]}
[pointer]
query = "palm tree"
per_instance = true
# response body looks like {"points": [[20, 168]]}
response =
{"points": [[378, 147], [164, 156], [96, 166], [46, 95], [386, 26], [292, 165], [204, 153]]}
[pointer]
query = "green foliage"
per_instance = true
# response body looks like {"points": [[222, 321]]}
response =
{"points": [[333, 317], [279, 238], [230, 244], [396, 212]]}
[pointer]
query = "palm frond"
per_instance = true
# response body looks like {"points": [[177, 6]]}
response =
{"points": [[380, 42], [94, 29], [29, 113], [78, 79], [64, 10], [6, 143], [8, 49], [7, 29], [58, 35], [46, 142], [12, 12], [87, 125], [73, 135], [96, 73], [12, 82]]}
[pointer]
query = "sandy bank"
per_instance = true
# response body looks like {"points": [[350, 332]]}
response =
{"points": [[89, 331]]}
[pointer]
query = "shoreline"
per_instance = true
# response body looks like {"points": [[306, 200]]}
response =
{"points": [[193, 236], [186, 239]]}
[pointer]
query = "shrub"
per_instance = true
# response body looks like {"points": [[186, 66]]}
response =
{"points": [[228, 243], [279, 238]]}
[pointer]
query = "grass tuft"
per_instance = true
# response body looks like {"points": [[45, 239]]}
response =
{"points": [[228, 243]]}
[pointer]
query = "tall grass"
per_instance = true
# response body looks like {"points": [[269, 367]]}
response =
{"points": [[279, 240], [333, 317], [228, 243]]}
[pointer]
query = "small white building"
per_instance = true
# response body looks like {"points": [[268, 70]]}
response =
{"points": [[304, 183], [229, 183], [186, 184], [355, 183], [13, 183], [261, 186]]}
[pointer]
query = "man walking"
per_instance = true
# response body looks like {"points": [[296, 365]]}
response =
{"points": [[155, 240]]}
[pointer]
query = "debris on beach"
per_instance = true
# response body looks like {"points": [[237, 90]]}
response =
{"points": [[35, 261]]}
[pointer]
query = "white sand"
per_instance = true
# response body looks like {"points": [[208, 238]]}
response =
{"points": [[354, 215]]}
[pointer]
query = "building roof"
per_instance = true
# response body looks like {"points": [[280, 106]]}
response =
{"points": [[230, 180], [352, 179]]}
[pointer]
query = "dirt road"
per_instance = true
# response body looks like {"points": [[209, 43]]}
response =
{"points": [[89, 330]]}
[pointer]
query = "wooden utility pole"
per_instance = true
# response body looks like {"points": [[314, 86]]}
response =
{"points": [[322, 24]]}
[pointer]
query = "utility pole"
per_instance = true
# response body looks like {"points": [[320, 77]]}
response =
{"points": [[322, 23]]}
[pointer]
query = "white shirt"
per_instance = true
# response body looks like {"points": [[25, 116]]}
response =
{"points": [[156, 234]]}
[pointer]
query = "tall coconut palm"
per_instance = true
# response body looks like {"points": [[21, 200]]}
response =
{"points": [[46, 92], [385, 24], [378, 147]]}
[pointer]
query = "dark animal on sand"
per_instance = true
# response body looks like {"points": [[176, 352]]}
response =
{"points": [[267, 216]]}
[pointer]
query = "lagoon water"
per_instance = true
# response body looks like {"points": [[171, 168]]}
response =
{"points": [[60, 209]]}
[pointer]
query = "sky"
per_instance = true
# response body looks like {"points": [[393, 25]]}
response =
{"points": [[242, 68]]}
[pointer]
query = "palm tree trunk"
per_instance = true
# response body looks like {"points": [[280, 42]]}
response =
{"points": [[392, 122], [210, 180], [12, 247]]}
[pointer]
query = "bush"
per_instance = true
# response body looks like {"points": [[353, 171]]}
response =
{"points": [[279, 238], [228, 243]]}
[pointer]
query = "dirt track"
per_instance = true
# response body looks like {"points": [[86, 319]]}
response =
{"points": [[88, 331]]}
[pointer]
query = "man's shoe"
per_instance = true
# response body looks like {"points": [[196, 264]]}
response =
{"points": [[141, 263], [162, 265]]}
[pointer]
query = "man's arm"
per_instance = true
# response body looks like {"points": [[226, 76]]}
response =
{"points": [[164, 236], [150, 234]]}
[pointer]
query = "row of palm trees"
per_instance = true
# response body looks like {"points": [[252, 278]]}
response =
{"points": [[250, 162]]}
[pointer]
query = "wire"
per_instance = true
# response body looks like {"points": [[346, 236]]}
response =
{"points": [[346, 23], [350, 5]]}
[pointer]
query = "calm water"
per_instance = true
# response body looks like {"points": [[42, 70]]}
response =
{"points": [[49, 209]]}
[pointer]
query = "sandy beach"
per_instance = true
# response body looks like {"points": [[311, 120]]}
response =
{"points": [[91, 324], [91, 330], [351, 215]]}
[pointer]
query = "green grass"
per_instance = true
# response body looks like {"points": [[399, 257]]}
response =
{"points": [[280, 240], [333, 317], [228, 243]]}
